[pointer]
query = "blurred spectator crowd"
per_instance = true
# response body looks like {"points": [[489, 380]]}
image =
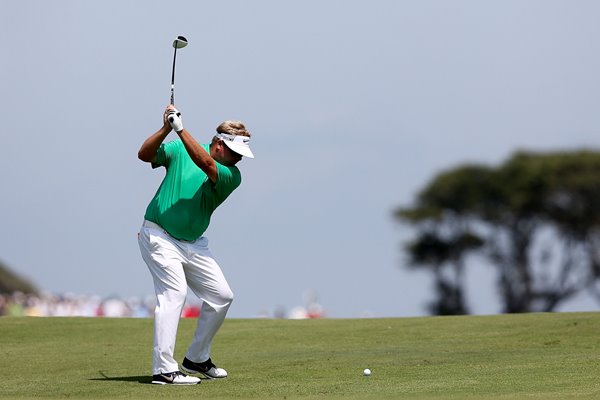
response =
{"points": [[19, 304]]}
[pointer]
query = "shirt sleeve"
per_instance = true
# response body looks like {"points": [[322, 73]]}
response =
{"points": [[228, 179], [165, 153]]}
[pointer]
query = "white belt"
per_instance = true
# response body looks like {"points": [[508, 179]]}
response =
{"points": [[150, 224]]}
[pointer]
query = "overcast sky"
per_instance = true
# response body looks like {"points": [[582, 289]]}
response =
{"points": [[354, 106]]}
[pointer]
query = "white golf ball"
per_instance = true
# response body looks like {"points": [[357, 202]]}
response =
{"points": [[367, 372]]}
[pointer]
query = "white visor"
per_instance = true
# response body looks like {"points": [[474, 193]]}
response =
{"points": [[238, 143]]}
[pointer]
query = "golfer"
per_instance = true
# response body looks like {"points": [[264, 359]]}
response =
{"points": [[198, 179]]}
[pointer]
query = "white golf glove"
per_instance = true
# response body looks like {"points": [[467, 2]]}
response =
{"points": [[174, 117]]}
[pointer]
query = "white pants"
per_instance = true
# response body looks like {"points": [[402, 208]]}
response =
{"points": [[175, 265]]}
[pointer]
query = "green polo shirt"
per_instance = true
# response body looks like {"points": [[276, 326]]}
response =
{"points": [[186, 197]]}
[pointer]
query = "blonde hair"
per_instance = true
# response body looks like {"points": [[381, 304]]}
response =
{"points": [[233, 128]]}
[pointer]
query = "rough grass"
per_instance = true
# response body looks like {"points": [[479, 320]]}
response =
{"points": [[532, 356]]}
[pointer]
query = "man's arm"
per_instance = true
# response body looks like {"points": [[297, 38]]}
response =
{"points": [[148, 150], [200, 157]]}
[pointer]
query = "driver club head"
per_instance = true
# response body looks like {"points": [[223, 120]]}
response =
{"points": [[180, 42]]}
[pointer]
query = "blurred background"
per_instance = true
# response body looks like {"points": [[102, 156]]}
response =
{"points": [[356, 107]]}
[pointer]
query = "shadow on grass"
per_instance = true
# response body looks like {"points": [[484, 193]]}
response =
{"points": [[139, 379]]}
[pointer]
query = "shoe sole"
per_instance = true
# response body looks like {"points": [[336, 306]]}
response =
{"points": [[175, 384]]}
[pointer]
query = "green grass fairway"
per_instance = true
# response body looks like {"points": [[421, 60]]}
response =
{"points": [[530, 356]]}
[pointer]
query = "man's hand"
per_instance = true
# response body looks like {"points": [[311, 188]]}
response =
{"points": [[174, 118]]}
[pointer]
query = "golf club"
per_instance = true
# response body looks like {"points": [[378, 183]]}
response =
{"points": [[178, 43]]}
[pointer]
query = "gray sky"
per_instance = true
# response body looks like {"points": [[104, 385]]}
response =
{"points": [[354, 106]]}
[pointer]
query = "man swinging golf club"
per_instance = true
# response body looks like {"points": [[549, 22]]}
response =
{"points": [[198, 179]]}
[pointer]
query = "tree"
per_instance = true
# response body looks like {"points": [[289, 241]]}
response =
{"points": [[535, 219], [10, 282]]}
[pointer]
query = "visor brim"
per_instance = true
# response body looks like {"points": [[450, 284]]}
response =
{"points": [[242, 149]]}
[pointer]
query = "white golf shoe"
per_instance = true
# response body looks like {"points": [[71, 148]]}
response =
{"points": [[174, 378], [206, 368]]}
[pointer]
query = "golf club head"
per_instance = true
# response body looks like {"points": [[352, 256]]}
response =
{"points": [[180, 42]]}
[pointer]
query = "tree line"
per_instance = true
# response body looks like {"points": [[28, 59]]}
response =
{"points": [[535, 219]]}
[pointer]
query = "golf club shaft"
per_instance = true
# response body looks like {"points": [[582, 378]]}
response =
{"points": [[173, 78]]}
